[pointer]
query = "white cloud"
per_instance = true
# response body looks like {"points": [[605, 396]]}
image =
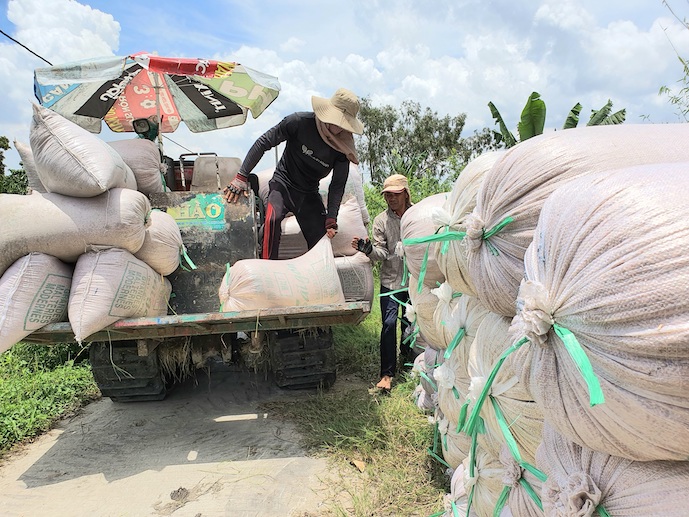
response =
{"points": [[453, 57]]}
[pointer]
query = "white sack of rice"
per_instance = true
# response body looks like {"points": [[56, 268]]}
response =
{"points": [[423, 400], [214, 173], [583, 482], [311, 279], [483, 475], [162, 246], [73, 162], [450, 255], [421, 310], [356, 277], [460, 319], [29, 165], [34, 291], [353, 188], [455, 446], [607, 278], [143, 158], [349, 225], [515, 188], [457, 501], [425, 364], [65, 226], [111, 285], [509, 400], [420, 258], [523, 486]]}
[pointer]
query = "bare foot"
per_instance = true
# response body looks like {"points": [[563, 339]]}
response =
{"points": [[385, 383]]}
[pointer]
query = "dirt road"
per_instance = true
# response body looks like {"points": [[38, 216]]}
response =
{"points": [[206, 450]]}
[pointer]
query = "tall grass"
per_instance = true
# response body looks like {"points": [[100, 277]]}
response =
{"points": [[39, 385]]}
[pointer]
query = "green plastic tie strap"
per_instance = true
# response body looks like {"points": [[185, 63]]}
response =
{"points": [[498, 227], [437, 458], [422, 270], [187, 258], [455, 341], [532, 493], [473, 419], [433, 384], [462, 416], [583, 364], [602, 512], [405, 271], [502, 501], [436, 237], [495, 229], [512, 444]]}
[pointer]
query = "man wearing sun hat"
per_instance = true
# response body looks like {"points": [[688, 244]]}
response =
{"points": [[385, 248], [317, 143]]}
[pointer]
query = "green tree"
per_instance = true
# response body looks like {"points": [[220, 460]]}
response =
{"points": [[416, 142], [16, 182], [679, 98], [532, 121]]}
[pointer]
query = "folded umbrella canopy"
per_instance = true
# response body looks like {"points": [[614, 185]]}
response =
{"points": [[203, 93]]}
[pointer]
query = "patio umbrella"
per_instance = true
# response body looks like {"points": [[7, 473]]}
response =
{"points": [[203, 93]]}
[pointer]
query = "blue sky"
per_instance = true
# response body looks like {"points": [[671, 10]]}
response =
{"points": [[453, 56]]}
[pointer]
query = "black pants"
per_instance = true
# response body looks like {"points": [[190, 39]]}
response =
{"points": [[307, 208], [389, 311]]}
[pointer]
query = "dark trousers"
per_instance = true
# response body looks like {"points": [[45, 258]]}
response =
{"points": [[307, 208], [389, 311]]}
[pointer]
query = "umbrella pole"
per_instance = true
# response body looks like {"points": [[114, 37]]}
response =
{"points": [[159, 120]]}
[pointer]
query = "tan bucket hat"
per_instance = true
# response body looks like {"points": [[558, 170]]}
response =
{"points": [[340, 110], [395, 183]]}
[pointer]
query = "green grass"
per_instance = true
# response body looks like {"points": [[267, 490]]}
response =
{"points": [[386, 434], [39, 385]]}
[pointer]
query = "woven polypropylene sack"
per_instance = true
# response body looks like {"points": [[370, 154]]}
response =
{"points": [[34, 291], [521, 501], [519, 183], [162, 246], [483, 475], [450, 255], [514, 401], [143, 158], [423, 306], [608, 274], [73, 162], [356, 277], [29, 165], [581, 481], [311, 279], [417, 222], [65, 226], [110, 285]]}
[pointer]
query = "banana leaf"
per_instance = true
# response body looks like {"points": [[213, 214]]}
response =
{"points": [[533, 118]]}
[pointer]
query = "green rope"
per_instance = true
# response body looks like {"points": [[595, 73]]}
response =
{"points": [[583, 364], [602, 512], [436, 237], [473, 419], [437, 458]]}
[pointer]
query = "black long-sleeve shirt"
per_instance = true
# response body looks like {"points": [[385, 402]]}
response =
{"points": [[306, 160]]}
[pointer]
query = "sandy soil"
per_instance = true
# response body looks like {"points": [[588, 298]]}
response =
{"points": [[206, 450]]}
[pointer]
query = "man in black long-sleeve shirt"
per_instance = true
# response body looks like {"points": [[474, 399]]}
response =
{"points": [[317, 142]]}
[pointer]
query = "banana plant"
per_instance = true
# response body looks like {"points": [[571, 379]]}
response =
{"points": [[532, 120]]}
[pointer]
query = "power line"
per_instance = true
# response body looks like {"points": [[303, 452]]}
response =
{"points": [[27, 48]]}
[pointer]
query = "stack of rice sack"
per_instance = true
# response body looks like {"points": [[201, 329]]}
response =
{"points": [[603, 305], [585, 333], [353, 267], [89, 249]]}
